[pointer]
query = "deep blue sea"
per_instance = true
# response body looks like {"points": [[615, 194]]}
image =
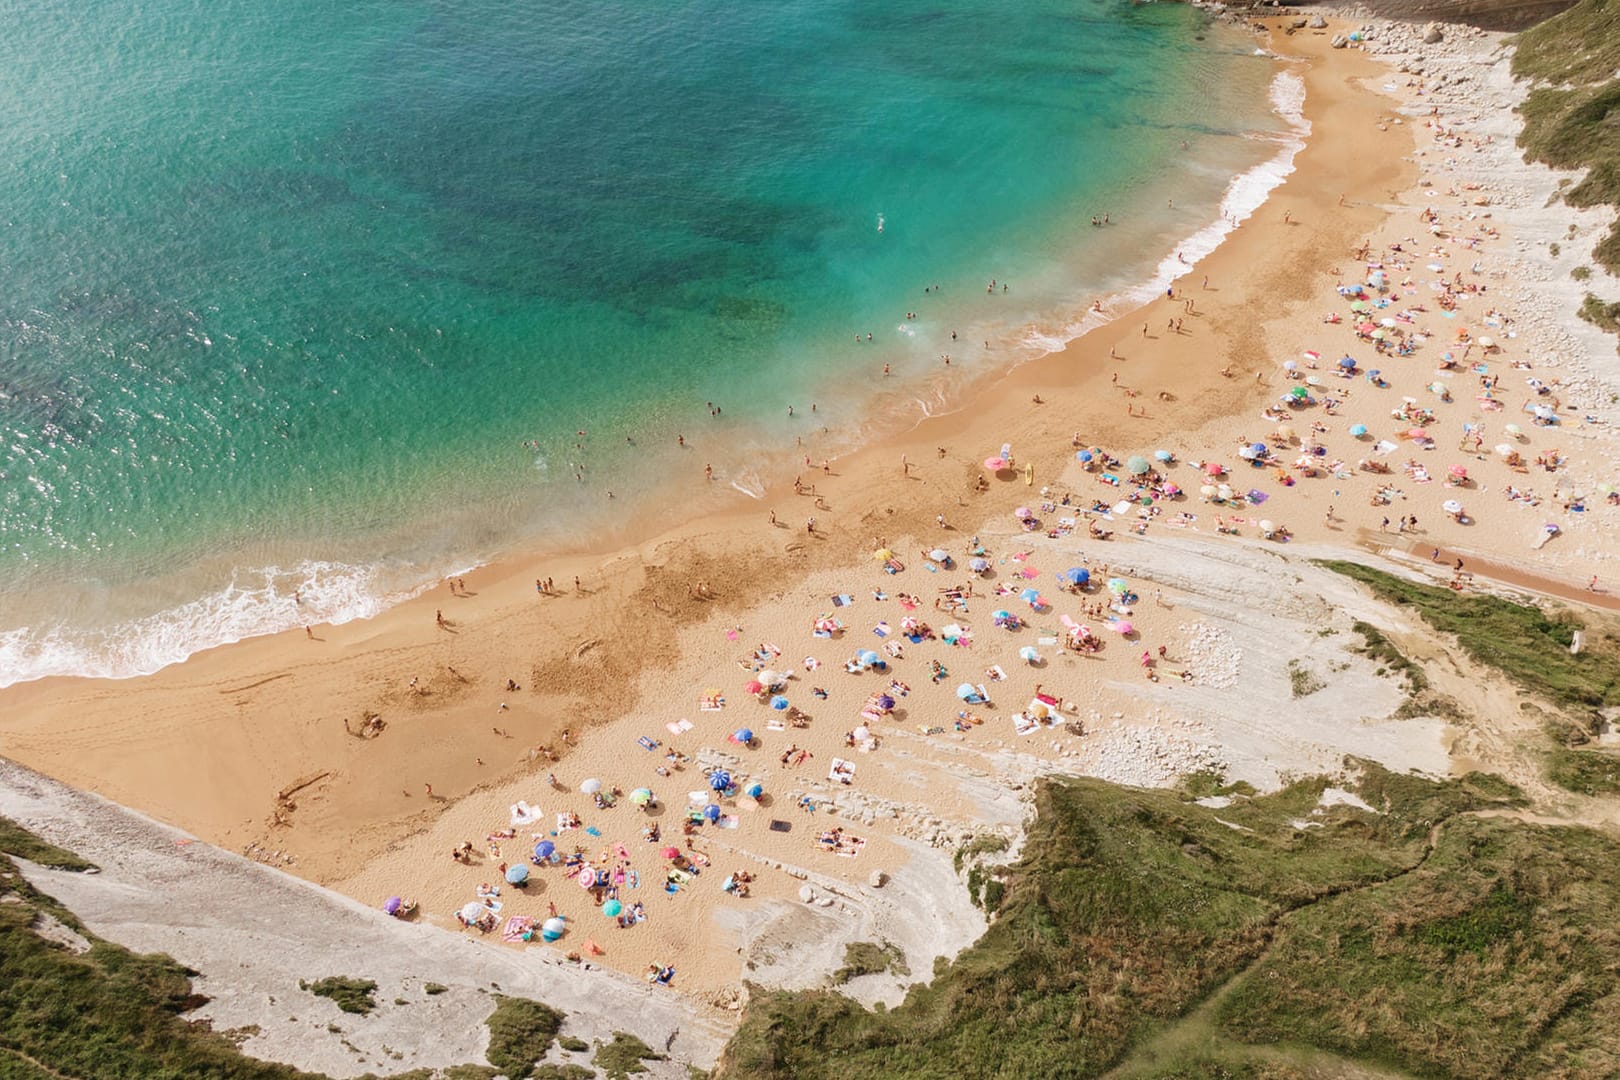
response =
{"points": [[319, 296]]}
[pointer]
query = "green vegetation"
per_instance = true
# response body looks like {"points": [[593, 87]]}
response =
{"points": [[1528, 645], [1570, 117], [573, 1045], [1581, 273], [19, 842], [1525, 643], [431, 989], [1494, 958], [1378, 647], [351, 995], [1127, 909], [109, 1012], [105, 1012], [520, 1033], [1601, 315], [1302, 681], [1585, 772], [869, 958], [623, 1056]]}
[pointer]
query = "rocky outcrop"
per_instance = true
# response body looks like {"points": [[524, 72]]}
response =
{"points": [[1485, 14]]}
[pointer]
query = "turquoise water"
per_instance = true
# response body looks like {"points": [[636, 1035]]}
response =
{"points": [[318, 296]]}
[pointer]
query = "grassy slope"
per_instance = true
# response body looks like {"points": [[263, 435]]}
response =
{"points": [[1573, 120], [113, 1013], [1531, 647], [1128, 909], [1487, 961]]}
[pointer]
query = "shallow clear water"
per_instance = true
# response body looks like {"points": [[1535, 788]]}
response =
{"points": [[317, 296]]}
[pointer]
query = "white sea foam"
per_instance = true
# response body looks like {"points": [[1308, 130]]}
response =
{"points": [[1244, 195], [256, 602], [259, 602]]}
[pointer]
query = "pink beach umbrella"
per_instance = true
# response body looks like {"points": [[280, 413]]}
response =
{"points": [[1021, 513], [1124, 629], [754, 686], [995, 464], [1457, 472]]}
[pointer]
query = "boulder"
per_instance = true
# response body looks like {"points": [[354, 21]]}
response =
{"points": [[1432, 35], [1339, 41], [878, 879], [1318, 23], [807, 894]]}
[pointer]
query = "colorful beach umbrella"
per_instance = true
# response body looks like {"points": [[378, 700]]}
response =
{"points": [[719, 780], [643, 796], [612, 908]]}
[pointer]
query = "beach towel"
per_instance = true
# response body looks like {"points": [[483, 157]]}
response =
{"points": [[909, 604], [881, 629], [647, 743], [995, 673], [841, 771], [729, 821], [524, 814], [778, 825], [849, 846], [516, 927], [564, 823], [842, 600], [677, 727], [775, 725], [1047, 639], [711, 700], [1025, 725], [593, 830], [1029, 573]]}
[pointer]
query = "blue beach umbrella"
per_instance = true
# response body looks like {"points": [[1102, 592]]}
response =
{"points": [[1259, 449], [1077, 575], [553, 928], [517, 874], [867, 656], [1083, 456], [967, 690], [979, 566], [1029, 596], [778, 702], [743, 735], [1358, 430], [1348, 363], [711, 813], [719, 780], [544, 849], [612, 908], [1163, 455], [755, 790]]}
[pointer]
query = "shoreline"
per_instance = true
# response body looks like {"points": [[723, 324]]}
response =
{"points": [[624, 655], [256, 602], [52, 720]]}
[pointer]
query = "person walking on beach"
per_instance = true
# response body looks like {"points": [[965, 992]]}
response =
{"points": [[438, 617]]}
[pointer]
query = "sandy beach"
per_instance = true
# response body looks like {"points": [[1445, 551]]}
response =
{"points": [[1388, 339]]}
